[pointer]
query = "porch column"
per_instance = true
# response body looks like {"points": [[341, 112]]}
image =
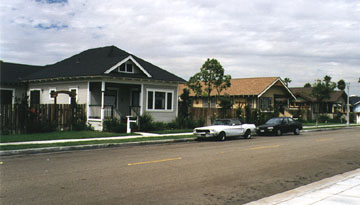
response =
{"points": [[142, 106], [88, 102], [102, 99]]}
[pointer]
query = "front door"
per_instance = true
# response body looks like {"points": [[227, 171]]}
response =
{"points": [[135, 98], [110, 98]]}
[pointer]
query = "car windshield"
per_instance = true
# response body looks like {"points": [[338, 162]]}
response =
{"points": [[274, 121], [222, 122]]}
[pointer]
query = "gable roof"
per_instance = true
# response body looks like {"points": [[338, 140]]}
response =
{"points": [[247, 86], [96, 61], [13, 73], [306, 94]]}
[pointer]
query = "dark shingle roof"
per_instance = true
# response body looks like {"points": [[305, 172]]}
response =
{"points": [[306, 94], [94, 62], [12, 73]]}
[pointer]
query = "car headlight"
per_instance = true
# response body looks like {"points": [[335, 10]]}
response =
{"points": [[270, 128], [212, 131]]}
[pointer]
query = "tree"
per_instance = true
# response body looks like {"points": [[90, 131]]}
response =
{"points": [[185, 104], [287, 81], [359, 80], [226, 104], [341, 84], [212, 77], [307, 85], [322, 90]]}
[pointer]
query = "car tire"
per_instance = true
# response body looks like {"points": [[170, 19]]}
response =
{"points": [[297, 131], [247, 134], [278, 132], [222, 136]]}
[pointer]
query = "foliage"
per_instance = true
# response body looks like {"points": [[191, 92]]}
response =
{"points": [[114, 125], [185, 104], [287, 81], [146, 122], [239, 113], [212, 76], [307, 85], [341, 85], [226, 103], [324, 118], [322, 90], [247, 114]]}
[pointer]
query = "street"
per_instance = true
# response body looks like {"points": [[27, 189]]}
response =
{"points": [[202, 172]]}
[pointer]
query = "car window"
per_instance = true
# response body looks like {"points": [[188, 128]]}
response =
{"points": [[274, 121], [286, 121], [236, 122], [291, 120]]}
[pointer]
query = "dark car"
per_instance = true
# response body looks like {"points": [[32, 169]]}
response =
{"points": [[279, 125]]}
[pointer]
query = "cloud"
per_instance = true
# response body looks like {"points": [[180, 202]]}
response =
{"points": [[303, 40]]}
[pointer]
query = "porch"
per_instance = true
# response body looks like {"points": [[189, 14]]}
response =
{"points": [[113, 100]]}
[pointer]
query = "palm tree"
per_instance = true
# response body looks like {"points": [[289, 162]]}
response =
{"points": [[341, 84], [287, 81]]}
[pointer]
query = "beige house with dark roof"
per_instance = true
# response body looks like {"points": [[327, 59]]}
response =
{"points": [[264, 93], [309, 107]]}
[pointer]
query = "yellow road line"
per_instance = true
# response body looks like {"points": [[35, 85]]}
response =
{"points": [[265, 147], [155, 161], [324, 139]]}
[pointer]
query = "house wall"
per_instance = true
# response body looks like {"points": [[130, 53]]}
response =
{"points": [[81, 98], [163, 115], [19, 91]]}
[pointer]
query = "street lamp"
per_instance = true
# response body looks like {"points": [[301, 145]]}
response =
{"points": [[348, 106]]}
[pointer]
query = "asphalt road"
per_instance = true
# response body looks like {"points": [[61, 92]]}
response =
{"points": [[202, 172]]}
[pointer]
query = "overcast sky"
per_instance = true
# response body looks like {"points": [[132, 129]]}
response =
{"points": [[303, 40]]}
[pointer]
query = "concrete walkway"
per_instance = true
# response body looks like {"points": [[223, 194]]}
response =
{"points": [[337, 190], [142, 135]]}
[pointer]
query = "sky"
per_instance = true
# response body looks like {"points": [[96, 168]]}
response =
{"points": [[303, 40]]}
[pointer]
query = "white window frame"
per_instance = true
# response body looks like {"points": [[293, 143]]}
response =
{"points": [[77, 94], [126, 66], [166, 100], [51, 89]]}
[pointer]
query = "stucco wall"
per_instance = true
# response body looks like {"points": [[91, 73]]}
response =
{"points": [[45, 88]]}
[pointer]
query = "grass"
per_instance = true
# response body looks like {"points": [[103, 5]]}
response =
{"points": [[58, 136], [332, 127], [321, 124], [172, 131], [29, 146]]}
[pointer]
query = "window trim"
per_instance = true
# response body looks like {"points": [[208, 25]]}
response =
{"points": [[35, 89], [13, 94], [166, 91], [126, 68]]}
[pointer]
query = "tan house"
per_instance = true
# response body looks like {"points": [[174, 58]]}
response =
{"points": [[308, 106], [264, 93]]}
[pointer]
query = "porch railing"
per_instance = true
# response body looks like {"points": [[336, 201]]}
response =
{"points": [[109, 112], [135, 111]]}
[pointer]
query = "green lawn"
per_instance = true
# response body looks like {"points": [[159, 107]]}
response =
{"points": [[172, 131], [320, 124], [58, 136], [16, 147]]}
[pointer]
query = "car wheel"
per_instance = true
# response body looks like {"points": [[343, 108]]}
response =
{"points": [[279, 132], [247, 134], [297, 131], [222, 136]]}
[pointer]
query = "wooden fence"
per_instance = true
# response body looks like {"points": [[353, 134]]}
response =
{"points": [[20, 118]]}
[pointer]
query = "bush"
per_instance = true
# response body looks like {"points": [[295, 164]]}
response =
{"points": [[114, 125], [146, 122], [324, 119]]}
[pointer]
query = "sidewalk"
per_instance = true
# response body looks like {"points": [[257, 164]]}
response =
{"points": [[340, 189]]}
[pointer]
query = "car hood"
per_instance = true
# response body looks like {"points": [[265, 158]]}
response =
{"points": [[267, 125]]}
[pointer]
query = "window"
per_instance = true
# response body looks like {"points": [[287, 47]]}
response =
{"points": [[126, 68], [6, 97], [266, 104], [51, 90], [159, 100], [34, 97]]}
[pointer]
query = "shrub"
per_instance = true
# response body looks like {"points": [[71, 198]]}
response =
{"points": [[114, 125], [324, 118], [146, 122]]}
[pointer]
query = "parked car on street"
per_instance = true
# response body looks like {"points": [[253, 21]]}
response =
{"points": [[222, 128], [279, 125]]}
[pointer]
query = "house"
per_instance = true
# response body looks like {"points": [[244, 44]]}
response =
{"points": [[12, 90], [306, 106], [355, 107], [111, 82], [264, 93]]}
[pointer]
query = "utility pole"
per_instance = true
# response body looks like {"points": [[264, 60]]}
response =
{"points": [[347, 105]]}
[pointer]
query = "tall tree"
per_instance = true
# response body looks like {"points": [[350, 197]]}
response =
{"points": [[322, 90], [212, 77], [341, 84], [307, 85], [287, 81]]}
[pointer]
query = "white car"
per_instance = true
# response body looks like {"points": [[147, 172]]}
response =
{"points": [[223, 128]]}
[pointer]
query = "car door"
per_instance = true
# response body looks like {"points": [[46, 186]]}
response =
{"points": [[285, 125]]}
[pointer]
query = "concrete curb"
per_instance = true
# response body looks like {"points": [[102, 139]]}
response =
{"points": [[87, 147], [109, 145]]}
